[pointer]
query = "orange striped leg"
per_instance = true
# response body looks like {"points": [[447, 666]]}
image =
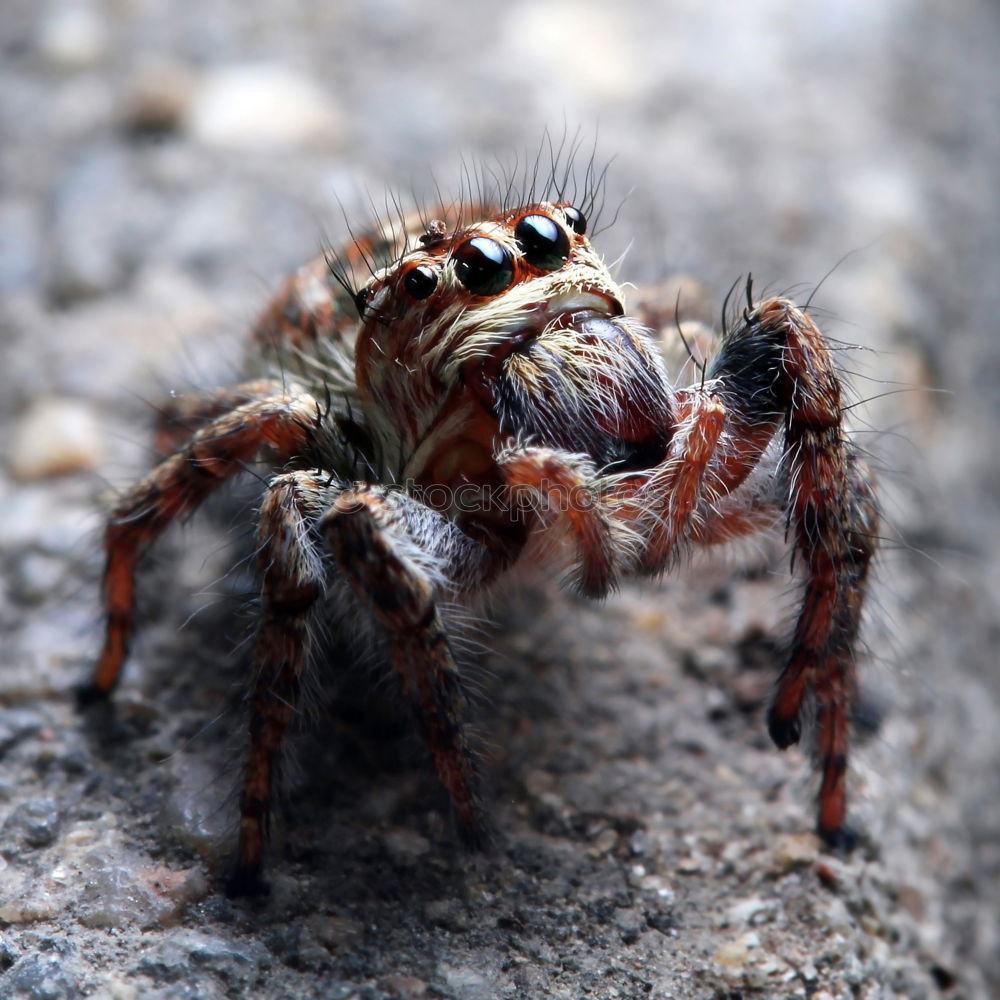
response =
{"points": [[562, 484], [835, 688], [667, 501], [292, 580], [833, 518], [177, 486], [181, 416], [775, 368], [384, 570]]}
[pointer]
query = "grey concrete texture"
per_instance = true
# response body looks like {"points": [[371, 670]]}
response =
{"points": [[162, 166]]}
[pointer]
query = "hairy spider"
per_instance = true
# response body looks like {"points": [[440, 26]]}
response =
{"points": [[482, 401]]}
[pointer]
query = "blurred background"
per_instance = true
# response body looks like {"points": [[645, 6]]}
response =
{"points": [[164, 164]]}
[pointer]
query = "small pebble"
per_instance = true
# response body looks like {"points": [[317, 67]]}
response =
{"points": [[605, 841], [34, 823], [158, 99], [467, 981], [405, 847], [235, 964], [403, 986], [35, 576], [447, 913], [73, 37], [745, 910], [733, 955], [35, 905], [15, 725], [796, 851], [54, 437], [690, 866], [121, 891], [630, 924], [39, 977]]}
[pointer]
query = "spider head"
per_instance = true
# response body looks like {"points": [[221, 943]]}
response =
{"points": [[442, 322]]}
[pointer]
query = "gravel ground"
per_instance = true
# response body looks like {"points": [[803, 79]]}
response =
{"points": [[162, 165]]}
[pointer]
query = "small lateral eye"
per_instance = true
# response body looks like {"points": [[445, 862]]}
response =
{"points": [[483, 266], [575, 218], [361, 301], [420, 281], [544, 243]]}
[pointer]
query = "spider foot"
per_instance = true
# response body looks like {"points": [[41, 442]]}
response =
{"points": [[91, 694], [783, 731], [842, 840], [478, 835], [247, 882]]}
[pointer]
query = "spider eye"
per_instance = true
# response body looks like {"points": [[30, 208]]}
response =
{"points": [[545, 244], [361, 301], [576, 219], [420, 281], [483, 266]]}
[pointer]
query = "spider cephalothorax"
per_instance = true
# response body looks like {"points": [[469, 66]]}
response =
{"points": [[484, 388]]}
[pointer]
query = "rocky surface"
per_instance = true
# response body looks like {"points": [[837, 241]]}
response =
{"points": [[160, 169]]}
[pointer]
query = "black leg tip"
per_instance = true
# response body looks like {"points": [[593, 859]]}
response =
{"points": [[843, 840], [91, 694], [478, 837], [784, 732], [247, 883]]}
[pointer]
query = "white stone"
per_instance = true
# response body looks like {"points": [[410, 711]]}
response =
{"points": [[258, 105], [53, 437], [73, 37], [744, 911]]}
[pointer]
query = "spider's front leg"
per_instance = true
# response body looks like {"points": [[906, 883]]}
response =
{"points": [[775, 369]]}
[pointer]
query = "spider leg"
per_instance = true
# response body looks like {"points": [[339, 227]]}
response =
{"points": [[177, 486], [664, 505], [180, 416], [775, 368], [563, 483], [291, 558], [292, 579], [834, 673], [398, 555]]}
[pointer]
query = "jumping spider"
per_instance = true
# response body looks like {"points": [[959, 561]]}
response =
{"points": [[482, 401]]}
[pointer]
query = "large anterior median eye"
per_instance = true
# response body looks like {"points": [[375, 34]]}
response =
{"points": [[483, 266], [544, 243]]}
